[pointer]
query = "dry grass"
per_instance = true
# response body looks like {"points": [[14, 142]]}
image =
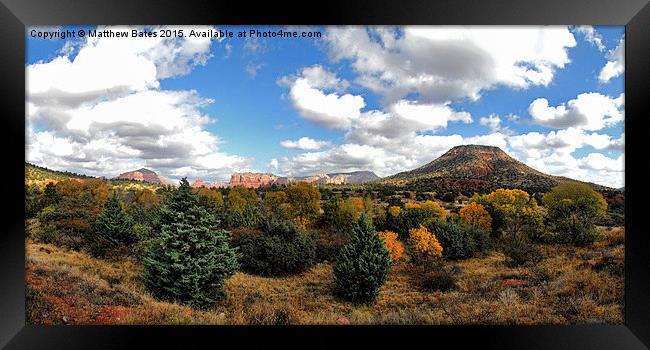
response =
{"points": [[570, 285]]}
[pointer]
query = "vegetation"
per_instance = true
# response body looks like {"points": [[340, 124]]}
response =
{"points": [[363, 264], [573, 210], [190, 258], [280, 249], [301, 253]]}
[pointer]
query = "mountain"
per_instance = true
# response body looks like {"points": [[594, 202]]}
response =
{"points": [[475, 168], [143, 174], [357, 177]]}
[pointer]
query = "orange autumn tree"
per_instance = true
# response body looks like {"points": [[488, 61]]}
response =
{"points": [[394, 246], [424, 244], [475, 214]]}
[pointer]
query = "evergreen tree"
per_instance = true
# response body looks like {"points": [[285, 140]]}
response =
{"points": [[363, 264], [113, 229], [190, 257], [50, 195]]}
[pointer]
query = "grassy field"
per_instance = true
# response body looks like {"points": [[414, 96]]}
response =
{"points": [[570, 285]]}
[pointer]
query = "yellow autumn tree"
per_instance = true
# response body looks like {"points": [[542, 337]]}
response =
{"points": [[394, 211], [424, 244], [394, 246], [475, 214], [434, 208]]}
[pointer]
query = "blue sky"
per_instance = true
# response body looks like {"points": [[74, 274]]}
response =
{"points": [[382, 99]]}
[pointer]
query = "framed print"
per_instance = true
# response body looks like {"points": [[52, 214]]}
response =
{"points": [[218, 172]]}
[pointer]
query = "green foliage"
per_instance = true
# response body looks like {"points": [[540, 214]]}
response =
{"points": [[113, 229], [573, 210], [460, 241], [363, 264], [412, 218], [190, 257], [50, 195], [280, 249], [33, 202], [515, 215], [242, 208]]}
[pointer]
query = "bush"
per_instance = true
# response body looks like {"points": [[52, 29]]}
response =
{"points": [[328, 244], [281, 249], [521, 253], [424, 246], [460, 241], [190, 257], [363, 264], [394, 246], [441, 278], [573, 210]]}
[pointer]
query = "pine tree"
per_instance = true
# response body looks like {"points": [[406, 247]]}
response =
{"points": [[113, 229], [50, 195], [363, 264], [190, 257]]}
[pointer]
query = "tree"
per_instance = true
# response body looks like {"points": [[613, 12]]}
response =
{"points": [[363, 263], [210, 199], [50, 195], [394, 246], [475, 214], [514, 214], [425, 246], [190, 258], [274, 204], [113, 229], [305, 202], [573, 209]]}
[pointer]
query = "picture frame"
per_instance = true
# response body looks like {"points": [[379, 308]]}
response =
{"points": [[15, 15]]}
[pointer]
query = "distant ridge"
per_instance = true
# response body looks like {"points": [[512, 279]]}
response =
{"points": [[143, 174]]}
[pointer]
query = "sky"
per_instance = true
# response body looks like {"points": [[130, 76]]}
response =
{"points": [[384, 99]]}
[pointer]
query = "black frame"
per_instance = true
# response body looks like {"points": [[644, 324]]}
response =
{"points": [[16, 14]]}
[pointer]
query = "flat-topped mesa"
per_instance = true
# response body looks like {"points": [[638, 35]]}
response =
{"points": [[251, 180]]}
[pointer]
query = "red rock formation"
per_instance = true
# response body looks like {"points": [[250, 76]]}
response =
{"points": [[143, 175], [198, 183], [251, 180]]}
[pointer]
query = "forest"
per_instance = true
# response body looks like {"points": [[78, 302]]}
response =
{"points": [[111, 252]]}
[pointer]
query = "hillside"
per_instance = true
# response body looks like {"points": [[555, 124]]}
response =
{"points": [[475, 168], [35, 174]]}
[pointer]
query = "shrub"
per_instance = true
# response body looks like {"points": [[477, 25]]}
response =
{"points": [[280, 249], [475, 214], [521, 253], [328, 244], [363, 264], [574, 209], [514, 213], [424, 245], [460, 241], [440, 278], [190, 258], [394, 246]]}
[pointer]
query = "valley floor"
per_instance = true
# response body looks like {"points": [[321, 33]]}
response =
{"points": [[571, 285]]}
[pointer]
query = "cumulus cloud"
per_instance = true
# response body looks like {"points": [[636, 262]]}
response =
{"points": [[492, 121], [589, 111], [591, 36], [102, 112], [615, 63], [332, 110], [304, 143], [441, 64]]}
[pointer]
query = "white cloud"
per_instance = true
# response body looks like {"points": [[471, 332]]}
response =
{"points": [[615, 63], [304, 143], [591, 36], [103, 112], [253, 68], [492, 121], [441, 64], [330, 110], [589, 111]]}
